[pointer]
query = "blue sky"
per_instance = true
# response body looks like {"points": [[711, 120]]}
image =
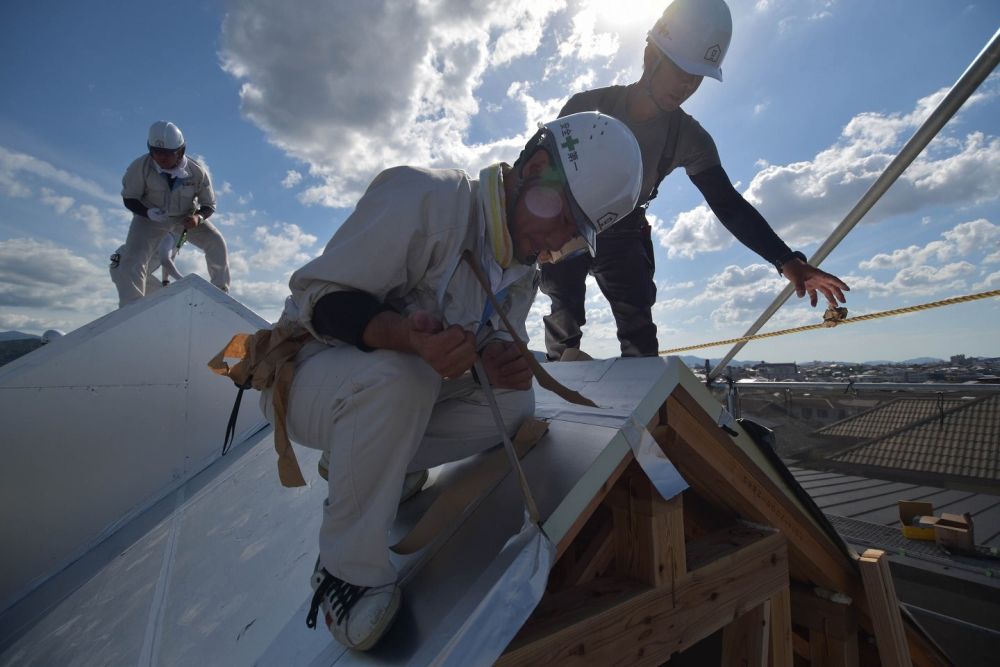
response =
{"points": [[296, 106]]}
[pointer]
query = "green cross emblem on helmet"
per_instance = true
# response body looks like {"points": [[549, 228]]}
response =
{"points": [[570, 143]]}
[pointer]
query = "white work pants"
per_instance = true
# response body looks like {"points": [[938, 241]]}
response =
{"points": [[380, 415], [144, 237]]}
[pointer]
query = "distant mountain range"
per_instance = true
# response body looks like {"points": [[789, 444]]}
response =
{"points": [[699, 362], [16, 335]]}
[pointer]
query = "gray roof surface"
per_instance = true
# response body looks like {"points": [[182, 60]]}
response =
{"points": [[888, 417], [217, 572], [875, 500], [963, 441]]}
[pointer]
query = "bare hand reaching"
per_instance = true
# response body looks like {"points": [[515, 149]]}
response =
{"points": [[807, 278]]}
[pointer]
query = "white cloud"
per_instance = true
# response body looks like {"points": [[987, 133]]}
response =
{"points": [[42, 275], [925, 280], [323, 87], [13, 163], [266, 298], [803, 200], [963, 240], [285, 249], [59, 203], [990, 282], [292, 178], [93, 220]]}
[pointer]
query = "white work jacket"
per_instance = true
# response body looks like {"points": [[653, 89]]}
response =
{"points": [[402, 245], [142, 181]]}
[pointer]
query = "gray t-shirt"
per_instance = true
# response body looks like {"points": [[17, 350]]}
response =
{"points": [[673, 135]]}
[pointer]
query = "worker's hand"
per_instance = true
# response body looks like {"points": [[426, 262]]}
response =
{"points": [[450, 351], [807, 278], [505, 367], [157, 215], [192, 221]]}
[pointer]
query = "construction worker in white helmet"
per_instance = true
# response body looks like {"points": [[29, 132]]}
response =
{"points": [[687, 43], [384, 386], [167, 192]]}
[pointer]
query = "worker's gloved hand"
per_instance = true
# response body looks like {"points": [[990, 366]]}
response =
{"points": [[157, 215], [450, 352], [505, 366]]}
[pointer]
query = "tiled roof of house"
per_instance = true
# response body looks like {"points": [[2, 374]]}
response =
{"points": [[889, 417], [965, 442]]}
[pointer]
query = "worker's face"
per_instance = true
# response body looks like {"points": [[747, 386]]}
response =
{"points": [[541, 222], [669, 85], [166, 159]]}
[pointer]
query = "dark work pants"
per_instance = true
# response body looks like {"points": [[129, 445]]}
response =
{"points": [[623, 268]]}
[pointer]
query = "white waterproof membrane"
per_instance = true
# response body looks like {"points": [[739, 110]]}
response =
{"points": [[218, 571]]}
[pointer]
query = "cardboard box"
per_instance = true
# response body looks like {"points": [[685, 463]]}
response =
{"points": [[917, 519], [955, 532]]}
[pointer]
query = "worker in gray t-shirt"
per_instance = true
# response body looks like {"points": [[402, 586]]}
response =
{"points": [[687, 43]]}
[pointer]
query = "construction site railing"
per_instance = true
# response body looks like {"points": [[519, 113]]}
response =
{"points": [[967, 84]]}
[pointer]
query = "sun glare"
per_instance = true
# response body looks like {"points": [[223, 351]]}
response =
{"points": [[627, 13]]}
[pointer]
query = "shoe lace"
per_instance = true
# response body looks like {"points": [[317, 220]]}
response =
{"points": [[342, 597]]}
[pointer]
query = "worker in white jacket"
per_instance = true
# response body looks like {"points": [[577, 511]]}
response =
{"points": [[385, 387], [167, 192]]}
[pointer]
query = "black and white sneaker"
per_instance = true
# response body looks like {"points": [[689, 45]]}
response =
{"points": [[356, 616]]}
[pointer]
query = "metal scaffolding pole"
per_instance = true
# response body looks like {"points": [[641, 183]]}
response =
{"points": [[967, 84]]}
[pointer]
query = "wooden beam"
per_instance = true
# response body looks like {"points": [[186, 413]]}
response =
{"points": [[598, 498], [781, 653], [584, 562], [720, 471], [833, 628], [709, 459], [745, 640], [611, 621], [648, 531], [890, 634]]}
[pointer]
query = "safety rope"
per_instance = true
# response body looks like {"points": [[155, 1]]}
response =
{"points": [[837, 316]]}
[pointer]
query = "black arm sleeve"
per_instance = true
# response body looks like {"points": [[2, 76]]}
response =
{"points": [[344, 315], [136, 207], [737, 214], [205, 212]]}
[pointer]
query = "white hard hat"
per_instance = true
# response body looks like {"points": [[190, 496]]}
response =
{"points": [[600, 159], [695, 35], [165, 135], [51, 335]]}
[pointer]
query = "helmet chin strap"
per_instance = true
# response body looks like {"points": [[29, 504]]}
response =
{"points": [[649, 83]]}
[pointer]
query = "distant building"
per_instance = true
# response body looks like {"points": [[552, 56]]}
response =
{"points": [[777, 372]]}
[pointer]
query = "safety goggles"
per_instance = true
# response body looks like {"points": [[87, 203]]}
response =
{"points": [[163, 152]]}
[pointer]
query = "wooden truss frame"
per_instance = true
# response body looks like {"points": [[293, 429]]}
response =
{"points": [[638, 579]]}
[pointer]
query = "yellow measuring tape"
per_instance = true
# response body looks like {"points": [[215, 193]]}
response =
{"points": [[836, 318]]}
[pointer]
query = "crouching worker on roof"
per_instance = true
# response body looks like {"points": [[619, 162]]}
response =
{"points": [[397, 319]]}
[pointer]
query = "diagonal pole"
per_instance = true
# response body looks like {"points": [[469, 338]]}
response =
{"points": [[967, 84]]}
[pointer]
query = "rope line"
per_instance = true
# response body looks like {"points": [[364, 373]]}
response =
{"points": [[831, 323]]}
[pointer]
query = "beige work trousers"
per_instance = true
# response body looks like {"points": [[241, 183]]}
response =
{"points": [[144, 237], [380, 415]]}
